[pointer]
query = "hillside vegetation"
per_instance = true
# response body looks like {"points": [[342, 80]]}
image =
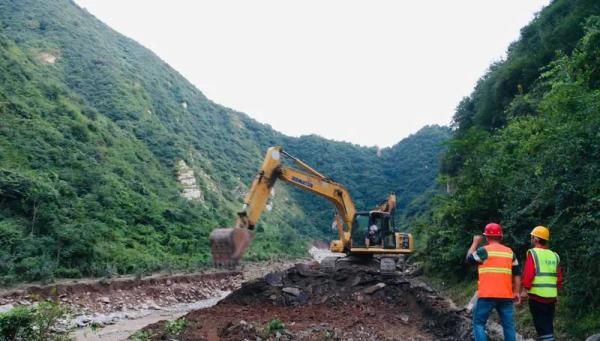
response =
{"points": [[95, 131], [525, 151]]}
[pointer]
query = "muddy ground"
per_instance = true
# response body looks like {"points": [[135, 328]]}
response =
{"points": [[305, 303]]}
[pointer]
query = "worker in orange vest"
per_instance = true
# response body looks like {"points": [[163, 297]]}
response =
{"points": [[499, 282]]}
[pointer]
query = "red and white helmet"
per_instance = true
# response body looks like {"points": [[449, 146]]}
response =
{"points": [[493, 230]]}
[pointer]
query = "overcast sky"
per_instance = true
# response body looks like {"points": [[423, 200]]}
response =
{"points": [[368, 72]]}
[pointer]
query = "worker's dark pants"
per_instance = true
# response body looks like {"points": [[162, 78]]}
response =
{"points": [[543, 316]]}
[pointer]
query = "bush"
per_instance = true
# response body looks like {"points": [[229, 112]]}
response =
{"points": [[16, 324], [175, 327], [67, 273], [275, 325], [32, 323]]}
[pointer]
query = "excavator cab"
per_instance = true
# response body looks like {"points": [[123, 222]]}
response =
{"points": [[385, 229]]}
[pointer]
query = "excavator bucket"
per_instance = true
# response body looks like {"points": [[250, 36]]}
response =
{"points": [[228, 244]]}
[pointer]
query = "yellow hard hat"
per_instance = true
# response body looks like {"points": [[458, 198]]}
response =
{"points": [[541, 232]]}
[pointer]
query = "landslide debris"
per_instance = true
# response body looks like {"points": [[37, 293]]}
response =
{"points": [[305, 303], [119, 300], [127, 294]]}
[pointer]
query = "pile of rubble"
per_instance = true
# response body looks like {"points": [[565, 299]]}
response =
{"points": [[304, 302]]}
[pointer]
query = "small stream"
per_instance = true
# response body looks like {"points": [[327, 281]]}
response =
{"points": [[119, 325]]}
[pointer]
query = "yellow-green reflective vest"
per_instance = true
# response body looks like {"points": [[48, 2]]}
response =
{"points": [[546, 265]]}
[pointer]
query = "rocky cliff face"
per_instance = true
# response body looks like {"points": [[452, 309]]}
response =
{"points": [[187, 181]]}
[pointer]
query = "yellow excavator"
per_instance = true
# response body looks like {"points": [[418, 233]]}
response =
{"points": [[228, 244]]}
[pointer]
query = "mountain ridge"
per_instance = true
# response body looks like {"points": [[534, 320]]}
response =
{"points": [[94, 126]]}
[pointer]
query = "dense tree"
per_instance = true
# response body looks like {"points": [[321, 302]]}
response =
{"points": [[530, 156]]}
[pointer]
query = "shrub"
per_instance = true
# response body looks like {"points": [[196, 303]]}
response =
{"points": [[35, 323], [175, 327], [16, 324]]}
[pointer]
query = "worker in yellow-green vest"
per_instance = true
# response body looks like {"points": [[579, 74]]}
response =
{"points": [[542, 277]]}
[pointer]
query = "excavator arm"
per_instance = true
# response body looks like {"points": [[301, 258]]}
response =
{"points": [[388, 205], [228, 244]]}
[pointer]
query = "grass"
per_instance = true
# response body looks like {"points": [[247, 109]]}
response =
{"points": [[272, 327], [142, 335], [175, 327]]}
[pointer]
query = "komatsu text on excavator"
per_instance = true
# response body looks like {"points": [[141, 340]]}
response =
{"points": [[228, 244]]}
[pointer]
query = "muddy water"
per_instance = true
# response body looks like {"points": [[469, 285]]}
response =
{"points": [[119, 325], [129, 322]]}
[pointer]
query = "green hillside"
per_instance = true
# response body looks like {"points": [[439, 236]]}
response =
{"points": [[525, 151], [96, 130]]}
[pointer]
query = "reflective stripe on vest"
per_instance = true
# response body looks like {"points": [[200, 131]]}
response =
{"points": [[501, 254], [495, 273], [546, 265]]}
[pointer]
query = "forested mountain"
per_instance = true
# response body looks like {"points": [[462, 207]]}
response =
{"points": [[525, 151], [100, 140]]}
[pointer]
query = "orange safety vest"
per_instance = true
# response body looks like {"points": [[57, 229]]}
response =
{"points": [[495, 273]]}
